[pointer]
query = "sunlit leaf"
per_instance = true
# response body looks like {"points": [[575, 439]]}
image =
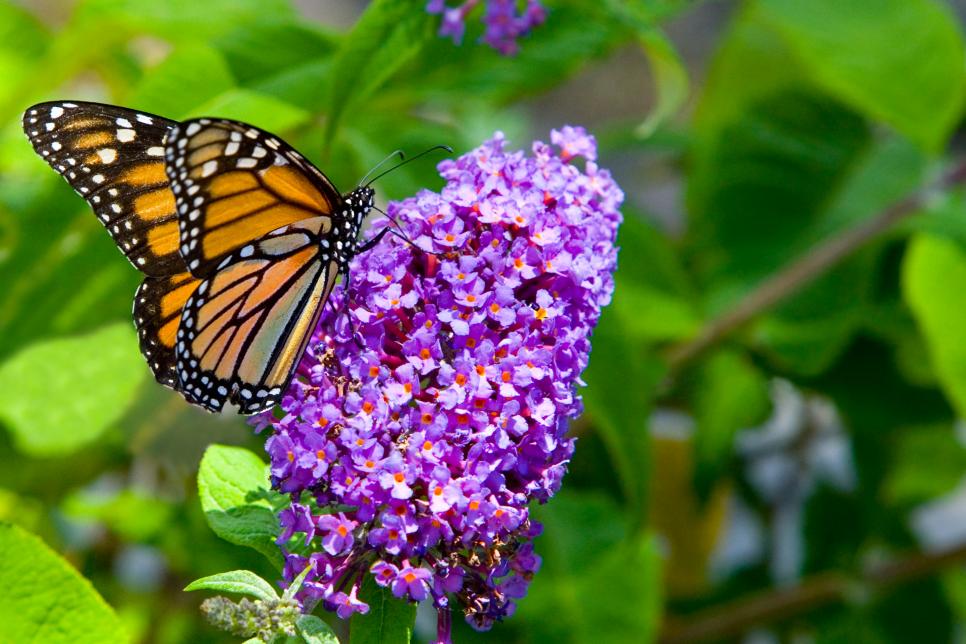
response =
{"points": [[58, 395], [44, 599], [237, 500], [243, 582]]}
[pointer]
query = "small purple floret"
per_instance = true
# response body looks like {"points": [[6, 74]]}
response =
{"points": [[430, 443], [505, 22]]}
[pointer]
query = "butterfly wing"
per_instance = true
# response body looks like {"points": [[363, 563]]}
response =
{"points": [[245, 328], [114, 158], [234, 184], [158, 306]]}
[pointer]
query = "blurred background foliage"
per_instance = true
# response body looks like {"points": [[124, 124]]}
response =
{"points": [[773, 448]]}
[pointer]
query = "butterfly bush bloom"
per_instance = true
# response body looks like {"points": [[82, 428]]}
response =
{"points": [[414, 459], [504, 21]]}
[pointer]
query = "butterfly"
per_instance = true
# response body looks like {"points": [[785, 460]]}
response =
{"points": [[241, 240]]}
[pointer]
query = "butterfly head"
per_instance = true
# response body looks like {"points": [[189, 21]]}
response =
{"points": [[359, 202]]}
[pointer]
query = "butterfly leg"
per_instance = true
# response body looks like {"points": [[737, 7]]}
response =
{"points": [[344, 307]]}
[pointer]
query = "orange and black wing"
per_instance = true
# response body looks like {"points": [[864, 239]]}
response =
{"points": [[158, 305], [234, 184], [114, 158], [245, 328]]}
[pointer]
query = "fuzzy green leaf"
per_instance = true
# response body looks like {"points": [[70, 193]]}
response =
{"points": [[237, 500], [242, 582]]}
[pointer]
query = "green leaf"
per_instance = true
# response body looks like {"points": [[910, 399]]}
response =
{"points": [[929, 462], [670, 80], [387, 35], [730, 394], [237, 500], [389, 620], [58, 395], [899, 61], [44, 599], [621, 379], [188, 77], [933, 276], [242, 104], [242, 582], [181, 20], [597, 582], [133, 515], [314, 631]]}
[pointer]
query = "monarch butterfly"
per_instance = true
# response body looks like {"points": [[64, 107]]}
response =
{"points": [[240, 238]]}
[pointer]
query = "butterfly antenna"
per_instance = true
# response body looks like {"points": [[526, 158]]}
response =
{"points": [[401, 234], [402, 157], [410, 160]]}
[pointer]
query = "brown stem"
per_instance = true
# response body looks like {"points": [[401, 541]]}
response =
{"points": [[805, 269], [734, 618]]}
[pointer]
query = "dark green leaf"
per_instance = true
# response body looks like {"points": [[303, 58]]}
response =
{"points": [[389, 620], [596, 583], [730, 394], [44, 599], [237, 500], [621, 380], [91, 378], [388, 35]]}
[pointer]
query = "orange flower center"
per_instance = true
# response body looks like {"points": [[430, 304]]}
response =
{"points": [[367, 407]]}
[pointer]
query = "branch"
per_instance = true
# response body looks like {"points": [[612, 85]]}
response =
{"points": [[735, 618], [805, 269]]}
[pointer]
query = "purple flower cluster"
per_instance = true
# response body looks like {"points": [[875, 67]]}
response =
{"points": [[414, 459], [504, 21]]}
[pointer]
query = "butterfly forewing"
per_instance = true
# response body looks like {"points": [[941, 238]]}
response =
{"points": [[245, 328], [158, 305], [234, 184], [114, 158]]}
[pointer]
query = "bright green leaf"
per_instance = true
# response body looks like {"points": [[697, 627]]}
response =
{"points": [[246, 105], [933, 269], [243, 582], [389, 620], [237, 501], [191, 75], [130, 513], [59, 395], [314, 631], [44, 599], [900, 61]]}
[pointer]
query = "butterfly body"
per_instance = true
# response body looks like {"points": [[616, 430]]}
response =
{"points": [[241, 240]]}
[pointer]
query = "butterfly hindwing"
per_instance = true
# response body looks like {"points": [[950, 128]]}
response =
{"points": [[158, 306], [234, 184], [114, 158], [245, 328]]}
